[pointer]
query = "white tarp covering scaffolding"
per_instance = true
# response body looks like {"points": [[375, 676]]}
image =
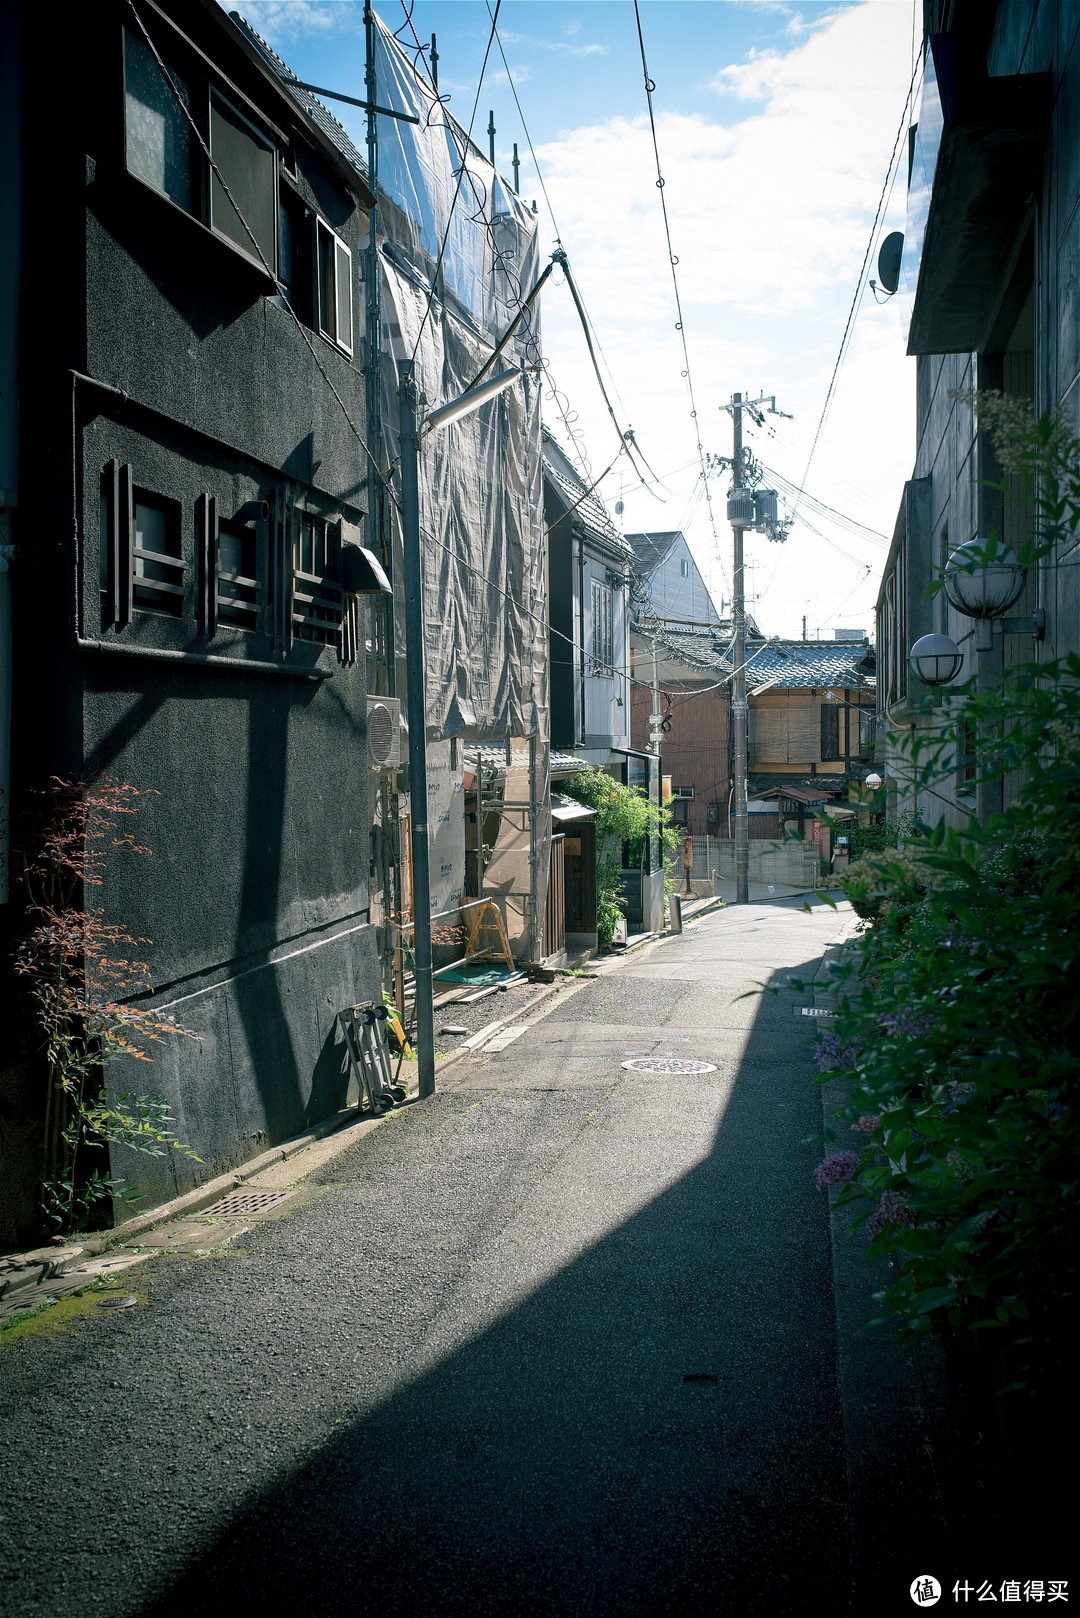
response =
{"points": [[458, 255]]}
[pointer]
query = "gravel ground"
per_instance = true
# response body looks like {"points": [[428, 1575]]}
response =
{"points": [[509, 1002]]}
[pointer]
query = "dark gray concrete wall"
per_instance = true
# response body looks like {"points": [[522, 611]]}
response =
{"points": [[255, 893]]}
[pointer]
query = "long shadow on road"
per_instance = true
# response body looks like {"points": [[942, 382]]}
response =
{"points": [[653, 1428]]}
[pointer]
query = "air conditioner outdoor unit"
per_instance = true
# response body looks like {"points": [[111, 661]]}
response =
{"points": [[386, 733]]}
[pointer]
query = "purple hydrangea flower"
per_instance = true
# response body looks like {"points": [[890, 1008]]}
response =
{"points": [[866, 1123], [903, 1025], [831, 1054], [839, 1169], [892, 1210]]}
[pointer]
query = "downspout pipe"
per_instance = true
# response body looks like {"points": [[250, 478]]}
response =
{"points": [[11, 235]]}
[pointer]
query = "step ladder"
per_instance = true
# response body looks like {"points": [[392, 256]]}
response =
{"points": [[363, 1029]]}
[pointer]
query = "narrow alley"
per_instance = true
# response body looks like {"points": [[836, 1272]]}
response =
{"points": [[561, 1340]]}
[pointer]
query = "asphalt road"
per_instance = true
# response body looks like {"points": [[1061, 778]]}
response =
{"points": [[559, 1341]]}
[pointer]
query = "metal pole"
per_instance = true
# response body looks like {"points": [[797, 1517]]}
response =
{"points": [[739, 707], [988, 790], [418, 792]]}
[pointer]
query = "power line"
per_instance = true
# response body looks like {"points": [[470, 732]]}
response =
{"points": [[857, 299], [680, 325]]}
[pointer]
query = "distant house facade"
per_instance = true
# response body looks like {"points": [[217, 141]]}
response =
{"points": [[680, 642], [589, 602], [989, 279], [812, 710], [190, 536], [812, 734]]}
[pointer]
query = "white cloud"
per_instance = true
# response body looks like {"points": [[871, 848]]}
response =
{"points": [[561, 47], [282, 22], [770, 219]]}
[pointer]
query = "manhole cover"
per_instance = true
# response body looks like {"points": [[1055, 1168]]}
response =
{"points": [[239, 1203], [669, 1064]]}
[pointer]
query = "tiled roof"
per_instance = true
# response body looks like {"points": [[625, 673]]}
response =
{"points": [[706, 650], [589, 511], [789, 663], [780, 664], [493, 757]]}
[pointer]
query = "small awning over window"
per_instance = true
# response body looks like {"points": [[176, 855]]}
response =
{"points": [[567, 809]]}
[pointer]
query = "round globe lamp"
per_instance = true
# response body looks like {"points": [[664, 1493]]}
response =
{"points": [[936, 659], [983, 579]]}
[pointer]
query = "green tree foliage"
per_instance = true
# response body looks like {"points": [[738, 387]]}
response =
{"points": [[625, 820], [82, 973]]}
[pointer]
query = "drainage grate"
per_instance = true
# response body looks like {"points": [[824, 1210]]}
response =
{"points": [[668, 1064], [814, 1011], [239, 1203]]}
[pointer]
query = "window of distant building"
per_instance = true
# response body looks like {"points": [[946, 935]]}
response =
{"points": [[684, 568], [603, 649], [830, 732]]}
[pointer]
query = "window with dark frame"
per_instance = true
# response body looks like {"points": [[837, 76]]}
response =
{"points": [[157, 566], [247, 164], [244, 192], [158, 139], [602, 629], [317, 594], [830, 732], [238, 576], [333, 262], [163, 150], [867, 728]]}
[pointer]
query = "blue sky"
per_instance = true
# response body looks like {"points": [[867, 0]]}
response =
{"points": [[776, 122]]}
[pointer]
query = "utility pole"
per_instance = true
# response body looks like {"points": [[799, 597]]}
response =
{"points": [[746, 508], [412, 429], [738, 504]]}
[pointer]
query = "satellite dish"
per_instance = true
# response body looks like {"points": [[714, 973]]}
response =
{"points": [[888, 264]]}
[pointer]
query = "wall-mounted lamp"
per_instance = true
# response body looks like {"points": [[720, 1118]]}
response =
{"points": [[936, 659], [983, 579], [873, 781]]}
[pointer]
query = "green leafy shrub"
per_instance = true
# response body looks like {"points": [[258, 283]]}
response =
{"points": [[958, 1032], [625, 820]]}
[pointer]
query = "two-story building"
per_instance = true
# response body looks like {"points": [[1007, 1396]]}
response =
{"points": [[189, 521]]}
